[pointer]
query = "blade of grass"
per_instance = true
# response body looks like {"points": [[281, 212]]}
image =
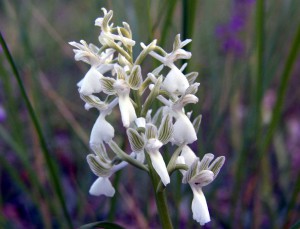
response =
{"points": [[189, 9], [256, 111], [52, 168], [168, 21], [62, 107], [284, 80], [291, 59]]}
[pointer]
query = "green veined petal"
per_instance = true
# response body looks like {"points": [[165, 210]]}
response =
{"points": [[135, 79], [216, 166], [165, 131], [151, 131], [136, 141], [192, 171], [204, 163], [108, 85], [98, 168]]}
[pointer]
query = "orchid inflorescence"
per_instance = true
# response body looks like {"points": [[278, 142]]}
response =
{"points": [[115, 79]]}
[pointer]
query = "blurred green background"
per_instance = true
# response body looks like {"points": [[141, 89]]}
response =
{"points": [[246, 53]]}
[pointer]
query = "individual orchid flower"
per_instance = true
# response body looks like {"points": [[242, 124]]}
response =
{"points": [[175, 81], [121, 87], [99, 65], [98, 136], [106, 36], [103, 167], [152, 141], [199, 174], [184, 129]]}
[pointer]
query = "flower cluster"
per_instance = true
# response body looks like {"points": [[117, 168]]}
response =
{"points": [[115, 81]]}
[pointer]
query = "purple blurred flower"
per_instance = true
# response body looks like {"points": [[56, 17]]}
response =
{"points": [[2, 114], [293, 144], [228, 33]]}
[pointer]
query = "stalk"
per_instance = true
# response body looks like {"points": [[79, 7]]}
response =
{"points": [[160, 198]]}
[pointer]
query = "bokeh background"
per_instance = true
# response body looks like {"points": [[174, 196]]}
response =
{"points": [[246, 53]]}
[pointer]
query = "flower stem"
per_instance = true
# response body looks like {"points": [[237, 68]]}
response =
{"points": [[160, 198]]}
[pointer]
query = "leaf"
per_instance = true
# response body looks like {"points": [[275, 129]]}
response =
{"points": [[101, 224]]}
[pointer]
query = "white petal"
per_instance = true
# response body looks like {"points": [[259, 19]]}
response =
{"points": [[87, 106], [102, 131], [140, 122], [175, 81], [199, 207], [119, 166], [153, 144], [127, 110], [188, 155], [184, 131], [159, 165], [102, 186], [91, 82], [180, 160], [140, 156]]}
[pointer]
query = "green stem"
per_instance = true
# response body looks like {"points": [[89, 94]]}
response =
{"points": [[160, 198], [53, 170]]}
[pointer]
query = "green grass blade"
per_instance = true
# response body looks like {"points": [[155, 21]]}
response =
{"points": [[168, 21], [102, 224], [260, 65], [292, 203], [52, 168], [291, 59]]}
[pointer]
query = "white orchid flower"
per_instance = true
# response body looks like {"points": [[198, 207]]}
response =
{"points": [[121, 87], [199, 174], [184, 131], [99, 65], [102, 130], [153, 145], [152, 141], [104, 168], [106, 36], [126, 107], [175, 81]]}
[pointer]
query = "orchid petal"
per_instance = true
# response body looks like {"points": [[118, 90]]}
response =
{"points": [[199, 207], [102, 186]]}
